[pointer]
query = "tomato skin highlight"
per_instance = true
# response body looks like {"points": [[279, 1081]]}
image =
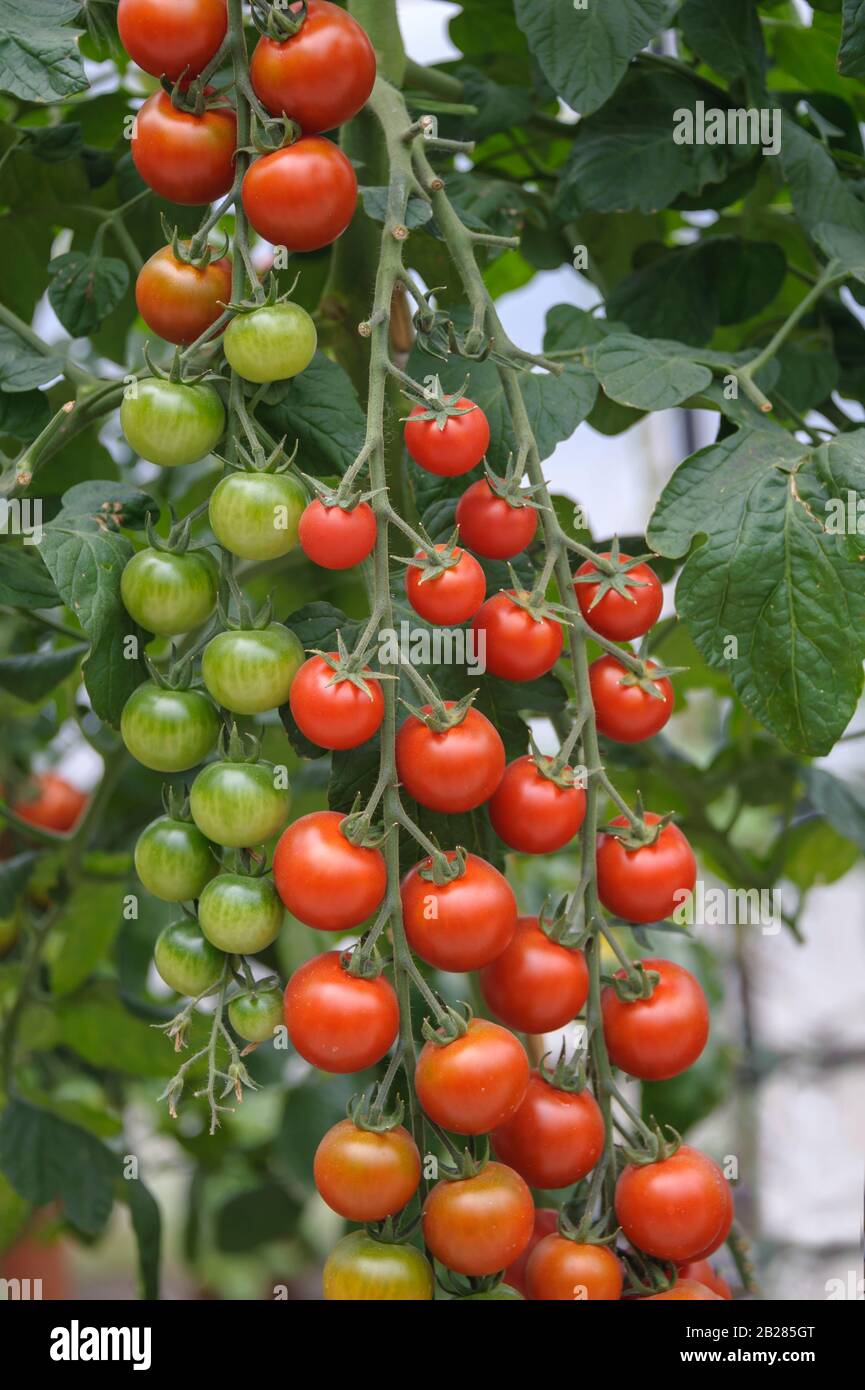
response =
{"points": [[169, 594], [452, 771], [562, 1270], [546, 1222], [186, 960], [532, 813], [51, 802], [325, 881], [254, 1017], [173, 860], [256, 515], [453, 450], [627, 713], [450, 598], [172, 37], [673, 1208], [645, 884], [252, 671], [554, 1138], [360, 1269], [366, 1176], [172, 424], [321, 76], [168, 730], [621, 619], [335, 714], [336, 1021], [479, 1225], [686, 1290], [490, 526], [337, 538], [535, 985], [272, 343], [701, 1272], [655, 1039], [240, 915], [185, 158], [302, 197], [178, 301], [518, 646], [475, 1083], [238, 804], [476, 915]]}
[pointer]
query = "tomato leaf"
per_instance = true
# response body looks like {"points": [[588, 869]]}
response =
{"points": [[818, 192], [84, 289], [728, 37], [320, 410], [23, 581], [851, 54], [46, 1160], [375, 206], [33, 675], [91, 920], [584, 51], [15, 874], [39, 57], [21, 368], [842, 803], [647, 373]]}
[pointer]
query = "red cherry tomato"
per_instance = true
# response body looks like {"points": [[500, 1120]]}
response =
{"points": [[302, 197], [335, 713], [624, 712], [322, 878], [335, 537], [365, 1176], [718, 1240], [178, 301], [450, 449], [561, 1270], [701, 1272], [476, 1082], [519, 647], [463, 924], [615, 616], [674, 1208], [555, 1137], [532, 813], [452, 771], [546, 1222], [336, 1021], [649, 883], [535, 985], [479, 1225], [51, 802], [660, 1037], [451, 597], [184, 158], [689, 1290], [320, 77], [492, 526], [172, 37]]}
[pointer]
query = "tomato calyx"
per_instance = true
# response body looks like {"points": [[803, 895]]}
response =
{"points": [[176, 372], [277, 22], [452, 1024], [435, 404], [369, 1111], [612, 575], [639, 832], [587, 1230], [638, 984], [434, 560], [508, 488], [656, 1143], [444, 866], [646, 1275], [647, 675], [342, 497], [534, 603], [568, 1074], [237, 747], [177, 675], [444, 715], [190, 251], [358, 829], [194, 96], [562, 926], [350, 666], [268, 137]]}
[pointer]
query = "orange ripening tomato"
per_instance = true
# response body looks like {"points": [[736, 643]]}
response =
{"points": [[177, 300], [50, 802], [479, 1225], [366, 1176], [686, 1290], [564, 1271]]}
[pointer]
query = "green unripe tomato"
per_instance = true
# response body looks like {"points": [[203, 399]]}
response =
{"points": [[239, 804], [173, 860], [168, 730], [250, 672], [169, 594], [271, 343], [362, 1269], [170, 423], [239, 914], [186, 960], [256, 515], [254, 1017], [501, 1293]]}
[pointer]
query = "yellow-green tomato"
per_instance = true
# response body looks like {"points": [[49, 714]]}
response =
{"points": [[257, 515], [360, 1269], [250, 672], [186, 960], [271, 343], [239, 914], [173, 860], [255, 1017], [169, 594], [171, 423], [239, 804], [168, 730]]}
